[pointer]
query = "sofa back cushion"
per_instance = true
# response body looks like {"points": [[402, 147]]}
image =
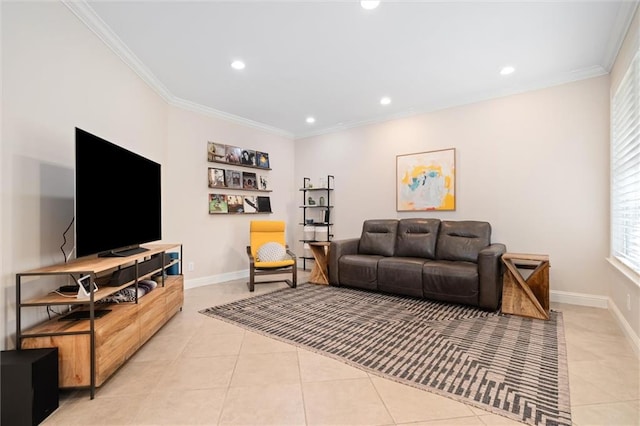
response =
{"points": [[417, 238], [462, 240], [378, 237]]}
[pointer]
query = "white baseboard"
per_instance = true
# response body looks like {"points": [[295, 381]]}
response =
{"points": [[580, 299], [603, 302], [626, 328], [216, 279]]}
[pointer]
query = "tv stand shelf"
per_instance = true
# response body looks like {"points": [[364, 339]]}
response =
{"points": [[90, 351]]}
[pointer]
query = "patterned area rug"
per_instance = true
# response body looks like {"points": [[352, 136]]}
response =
{"points": [[508, 365]]}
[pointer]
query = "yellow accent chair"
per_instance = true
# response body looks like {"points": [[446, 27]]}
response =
{"points": [[262, 232]]}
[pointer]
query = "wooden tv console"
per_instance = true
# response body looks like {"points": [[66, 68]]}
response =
{"points": [[92, 350]]}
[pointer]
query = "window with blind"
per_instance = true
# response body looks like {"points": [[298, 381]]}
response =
{"points": [[625, 169]]}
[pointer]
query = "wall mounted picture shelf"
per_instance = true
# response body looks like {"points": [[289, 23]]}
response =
{"points": [[232, 179]]}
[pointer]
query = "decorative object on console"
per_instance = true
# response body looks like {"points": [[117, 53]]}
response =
{"points": [[130, 294], [426, 181]]}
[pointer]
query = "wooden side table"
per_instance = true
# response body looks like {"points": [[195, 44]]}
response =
{"points": [[526, 297], [320, 251]]}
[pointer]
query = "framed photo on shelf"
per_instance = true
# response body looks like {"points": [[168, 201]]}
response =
{"points": [[235, 203], [218, 204], [426, 181], [216, 178], [232, 154], [216, 151], [233, 178], [249, 180], [248, 157], [262, 159], [263, 183], [264, 204], [250, 204]]}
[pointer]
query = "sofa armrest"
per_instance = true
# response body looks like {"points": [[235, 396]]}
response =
{"points": [[337, 249], [490, 272]]}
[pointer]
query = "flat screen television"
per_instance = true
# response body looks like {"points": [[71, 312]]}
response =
{"points": [[117, 198]]}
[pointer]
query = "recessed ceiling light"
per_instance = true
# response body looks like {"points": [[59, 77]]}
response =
{"points": [[369, 5], [237, 65], [507, 70], [385, 101], [311, 120]]}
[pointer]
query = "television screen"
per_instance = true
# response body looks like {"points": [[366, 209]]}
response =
{"points": [[117, 198]]}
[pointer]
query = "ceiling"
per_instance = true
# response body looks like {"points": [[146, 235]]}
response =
{"points": [[334, 61]]}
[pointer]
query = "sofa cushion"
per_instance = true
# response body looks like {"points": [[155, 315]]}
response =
{"points": [[448, 281], [462, 240], [401, 275], [378, 237], [417, 238], [359, 270]]}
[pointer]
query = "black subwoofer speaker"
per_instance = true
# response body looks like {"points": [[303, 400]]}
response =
{"points": [[29, 385]]}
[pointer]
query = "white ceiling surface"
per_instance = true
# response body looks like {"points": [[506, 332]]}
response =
{"points": [[335, 60]]}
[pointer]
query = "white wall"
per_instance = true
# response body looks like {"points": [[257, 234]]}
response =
{"points": [[216, 244], [626, 288], [57, 75], [534, 165]]}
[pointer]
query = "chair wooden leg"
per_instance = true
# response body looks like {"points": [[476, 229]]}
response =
{"points": [[295, 276], [252, 279]]}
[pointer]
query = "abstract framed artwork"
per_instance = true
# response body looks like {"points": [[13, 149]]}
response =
{"points": [[426, 181]]}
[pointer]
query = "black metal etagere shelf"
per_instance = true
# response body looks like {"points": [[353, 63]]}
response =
{"points": [[316, 212]]}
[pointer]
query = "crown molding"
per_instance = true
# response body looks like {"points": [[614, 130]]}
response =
{"points": [[85, 13], [624, 18], [212, 112], [88, 16]]}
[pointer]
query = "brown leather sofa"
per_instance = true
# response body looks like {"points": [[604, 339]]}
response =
{"points": [[450, 261]]}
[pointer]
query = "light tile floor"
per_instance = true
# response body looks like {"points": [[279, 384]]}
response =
{"points": [[198, 370]]}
